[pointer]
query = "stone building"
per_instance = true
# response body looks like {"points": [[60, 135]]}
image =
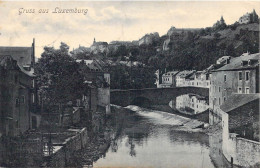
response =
{"points": [[181, 77], [169, 79], [148, 38], [97, 77], [219, 22], [18, 98], [239, 76], [176, 34], [19, 110], [249, 18], [99, 47]]}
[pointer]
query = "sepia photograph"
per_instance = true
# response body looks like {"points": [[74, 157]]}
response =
{"points": [[129, 84]]}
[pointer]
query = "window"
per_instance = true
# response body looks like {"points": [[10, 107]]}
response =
{"points": [[22, 100], [33, 84], [219, 101], [240, 75], [224, 99], [247, 75], [16, 102], [225, 78], [33, 98], [17, 124], [247, 90], [239, 90], [15, 78], [218, 89]]}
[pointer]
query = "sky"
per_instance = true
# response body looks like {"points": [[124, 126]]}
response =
{"points": [[108, 21]]}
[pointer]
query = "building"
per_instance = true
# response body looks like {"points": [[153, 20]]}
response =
{"points": [[182, 76], [98, 78], [19, 110], [99, 47], [249, 18], [239, 76], [220, 22], [176, 34], [201, 79], [148, 39], [158, 80], [169, 79]]}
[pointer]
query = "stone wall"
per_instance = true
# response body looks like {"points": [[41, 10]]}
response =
{"points": [[244, 120], [104, 98], [62, 156], [239, 151], [244, 152]]}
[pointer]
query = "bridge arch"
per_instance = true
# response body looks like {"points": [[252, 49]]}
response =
{"points": [[141, 101], [159, 96]]}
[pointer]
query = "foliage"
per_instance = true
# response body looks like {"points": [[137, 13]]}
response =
{"points": [[124, 77], [59, 79]]}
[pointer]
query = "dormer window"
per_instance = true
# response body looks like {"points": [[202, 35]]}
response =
{"points": [[243, 63], [251, 62]]}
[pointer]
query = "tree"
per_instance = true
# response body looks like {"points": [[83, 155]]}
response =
{"points": [[59, 79]]}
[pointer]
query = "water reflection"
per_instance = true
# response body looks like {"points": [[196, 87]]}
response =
{"points": [[190, 104], [144, 142]]}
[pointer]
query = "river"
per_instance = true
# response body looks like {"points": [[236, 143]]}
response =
{"points": [[155, 139]]}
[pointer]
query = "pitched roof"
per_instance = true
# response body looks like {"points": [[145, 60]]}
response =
{"points": [[235, 63], [99, 43], [184, 74], [23, 55], [92, 64], [5, 59], [171, 73], [237, 100]]}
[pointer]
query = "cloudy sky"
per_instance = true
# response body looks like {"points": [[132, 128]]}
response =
{"points": [[108, 21]]}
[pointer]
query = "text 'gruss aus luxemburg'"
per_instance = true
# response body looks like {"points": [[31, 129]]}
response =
{"points": [[55, 10]]}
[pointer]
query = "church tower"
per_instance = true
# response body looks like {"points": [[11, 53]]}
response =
{"points": [[94, 40], [222, 21]]}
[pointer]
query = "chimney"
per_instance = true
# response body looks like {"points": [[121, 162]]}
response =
{"points": [[33, 53], [228, 60]]}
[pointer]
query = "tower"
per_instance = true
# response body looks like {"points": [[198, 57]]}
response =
{"points": [[222, 21], [94, 40], [254, 16]]}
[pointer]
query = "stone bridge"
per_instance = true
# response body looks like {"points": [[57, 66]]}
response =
{"points": [[152, 96]]}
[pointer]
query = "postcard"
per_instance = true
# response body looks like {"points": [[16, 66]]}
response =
{"points": [[129, 84]]}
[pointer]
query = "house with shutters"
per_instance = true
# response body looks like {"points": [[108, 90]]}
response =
{"points": [[240, 75]]}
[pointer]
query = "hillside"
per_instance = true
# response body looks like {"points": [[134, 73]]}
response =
{"points": [[178, 49]]}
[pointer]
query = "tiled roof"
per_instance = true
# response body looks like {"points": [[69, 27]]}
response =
{"points": [[237, 100], [3, 60], [184, 74], [92, 64], [170, 73], [235, 63], [99, 43], [23, 55]]}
